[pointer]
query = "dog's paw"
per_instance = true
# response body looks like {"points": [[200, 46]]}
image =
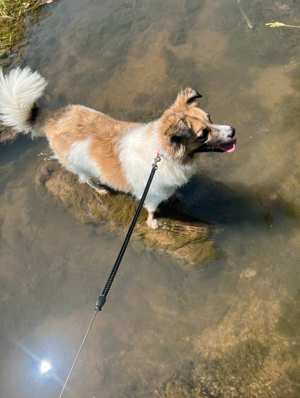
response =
{"points": [[102, 191], [153, 223]]}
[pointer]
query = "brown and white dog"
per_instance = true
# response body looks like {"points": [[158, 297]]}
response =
{"points": [[115, 153]]}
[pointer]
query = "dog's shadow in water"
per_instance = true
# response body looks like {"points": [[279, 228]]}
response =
{"points": [[207, 201]]}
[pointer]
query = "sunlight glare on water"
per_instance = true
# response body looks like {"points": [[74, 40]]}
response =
{"points": [[45, 366]]}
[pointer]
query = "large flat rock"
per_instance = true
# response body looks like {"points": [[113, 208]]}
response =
{"points": [[186, 240]]}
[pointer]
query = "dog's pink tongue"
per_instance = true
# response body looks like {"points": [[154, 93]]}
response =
{"points": [[229, 147]]}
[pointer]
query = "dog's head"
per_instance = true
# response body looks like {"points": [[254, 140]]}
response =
{"points": [[184, 129]]}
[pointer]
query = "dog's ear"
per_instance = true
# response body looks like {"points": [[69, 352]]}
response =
{"points": [[186, 97], [191, 95]]}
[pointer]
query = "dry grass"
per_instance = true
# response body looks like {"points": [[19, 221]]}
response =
{"points": [[13, 14]]}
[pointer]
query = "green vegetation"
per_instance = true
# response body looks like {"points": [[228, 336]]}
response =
{"points": [[13, 24], [16, 17]]}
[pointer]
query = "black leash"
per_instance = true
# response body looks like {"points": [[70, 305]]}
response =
{"points": [[102, 298]]}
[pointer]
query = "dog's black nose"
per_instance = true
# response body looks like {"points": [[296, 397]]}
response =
{"points": [[232, 132]]}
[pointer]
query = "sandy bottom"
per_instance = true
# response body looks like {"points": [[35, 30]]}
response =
{"points": [[230, 329]]}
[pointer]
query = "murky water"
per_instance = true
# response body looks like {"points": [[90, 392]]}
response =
{"points": [[230, 329]]}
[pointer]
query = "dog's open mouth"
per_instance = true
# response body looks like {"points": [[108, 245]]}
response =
{"points": [[228, 147]]}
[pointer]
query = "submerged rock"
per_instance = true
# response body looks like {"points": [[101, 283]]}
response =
{"points": [[252, 351], [189, 242]]}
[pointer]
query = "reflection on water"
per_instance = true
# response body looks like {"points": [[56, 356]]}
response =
{"points": [[230, 329]]}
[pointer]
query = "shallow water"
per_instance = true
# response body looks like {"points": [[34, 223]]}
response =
{"points": [[230, 329]]}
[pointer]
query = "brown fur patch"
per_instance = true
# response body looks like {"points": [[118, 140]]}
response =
{"points": [[74, 124]]}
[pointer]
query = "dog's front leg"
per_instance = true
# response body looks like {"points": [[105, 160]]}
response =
{"points": [[151, 204], [101, 191], [151, 221]]}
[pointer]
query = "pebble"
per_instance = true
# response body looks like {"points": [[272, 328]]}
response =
{"points": [[248, 273], [284, 7]]}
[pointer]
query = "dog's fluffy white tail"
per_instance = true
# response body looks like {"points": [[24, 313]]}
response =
{"points": [[19, 90]]}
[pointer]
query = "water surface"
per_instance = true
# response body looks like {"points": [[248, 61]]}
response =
{"points": [[230, 329]]}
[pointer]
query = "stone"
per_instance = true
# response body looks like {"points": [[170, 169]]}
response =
{"points": [[189, 242]]}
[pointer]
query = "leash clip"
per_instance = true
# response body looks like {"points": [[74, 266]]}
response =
{"points": [[156, 160]]}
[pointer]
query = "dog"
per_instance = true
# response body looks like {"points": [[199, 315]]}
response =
{"points": [[115, 153]]}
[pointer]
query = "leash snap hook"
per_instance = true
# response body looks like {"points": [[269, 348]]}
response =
{"points": [[156, 160]]}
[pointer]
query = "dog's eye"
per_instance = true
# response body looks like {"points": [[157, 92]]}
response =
{"points": [[203, 134]]}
